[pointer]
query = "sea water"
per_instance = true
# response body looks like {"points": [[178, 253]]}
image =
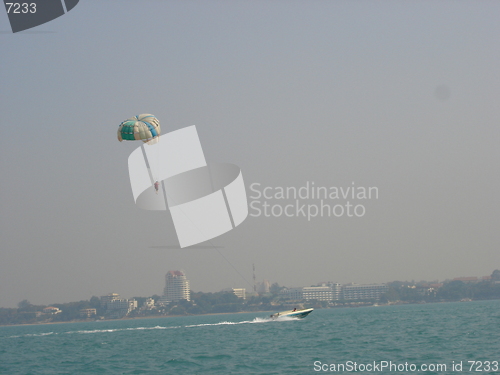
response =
{"points": [[441, 338]]}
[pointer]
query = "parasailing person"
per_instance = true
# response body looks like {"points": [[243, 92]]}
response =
{"points": [[144, 127]]}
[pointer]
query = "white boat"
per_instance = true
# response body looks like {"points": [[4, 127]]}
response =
{"points": [[293, 313]]}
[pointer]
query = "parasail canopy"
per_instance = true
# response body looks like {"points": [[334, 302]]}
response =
{"points": [[145, 127]]}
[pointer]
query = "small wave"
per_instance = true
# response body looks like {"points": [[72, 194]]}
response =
{"points": [[34, 335], [121, 329], [286, 319]]}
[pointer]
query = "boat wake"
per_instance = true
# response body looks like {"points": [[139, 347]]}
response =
{"points": [[254, 321]]}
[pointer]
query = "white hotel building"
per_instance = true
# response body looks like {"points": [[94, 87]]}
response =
{"points": [[363, 291], [117, 307], [334, 292], [176, 287]]}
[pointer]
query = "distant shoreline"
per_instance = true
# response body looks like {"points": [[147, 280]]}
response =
{"points": [[241, 312]]}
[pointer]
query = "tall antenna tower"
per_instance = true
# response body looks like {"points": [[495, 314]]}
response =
{"points": [[254, 287]]}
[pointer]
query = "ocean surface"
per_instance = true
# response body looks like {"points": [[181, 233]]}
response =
{"points": [[401, 339]]}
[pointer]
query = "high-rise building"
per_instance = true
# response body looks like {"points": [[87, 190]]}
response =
{"points": [[176, 287]]}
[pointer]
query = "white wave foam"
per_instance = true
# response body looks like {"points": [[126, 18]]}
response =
{"points": [[121, 329], [34, 335], [256, 320]]}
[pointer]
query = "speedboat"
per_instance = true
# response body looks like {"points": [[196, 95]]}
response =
{"points": [[292, 313]]}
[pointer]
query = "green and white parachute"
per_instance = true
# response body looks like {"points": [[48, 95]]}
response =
{"points": [[145, 127]]}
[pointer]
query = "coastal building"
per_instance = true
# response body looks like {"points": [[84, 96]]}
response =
{"points": [[119, 308], [87, 313], [336, 290], [363, 291], [176, 287], [294, 294], [264, 287], [323, 292], [239, 292], [149, 304], [51, 310], [318, 293], [109, 298]]}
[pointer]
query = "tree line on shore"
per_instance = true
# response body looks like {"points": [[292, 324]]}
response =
{"points": [[200, 303], [228, 302], [454, 290]]}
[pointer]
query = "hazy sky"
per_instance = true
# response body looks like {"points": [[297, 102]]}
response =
{"points": [[402, 96]]}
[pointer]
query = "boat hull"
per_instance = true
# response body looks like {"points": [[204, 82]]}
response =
{"points": [[299, 314]]}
